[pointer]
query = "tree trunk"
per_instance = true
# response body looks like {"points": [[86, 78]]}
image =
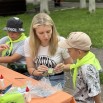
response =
{"points": [[44, 6], [92, 6], [82, 3]]}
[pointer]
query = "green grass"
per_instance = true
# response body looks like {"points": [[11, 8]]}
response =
{"points": [[80, 20], [68, 21]]}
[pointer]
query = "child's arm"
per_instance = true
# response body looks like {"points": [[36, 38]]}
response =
{"points": [[62, 67], [97, 99]]}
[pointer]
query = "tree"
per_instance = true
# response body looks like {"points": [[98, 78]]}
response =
{"points": [[82, 3], [44, 6], [92, 6]]}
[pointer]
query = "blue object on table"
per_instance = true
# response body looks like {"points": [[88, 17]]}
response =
{"points": [[6, 89]]}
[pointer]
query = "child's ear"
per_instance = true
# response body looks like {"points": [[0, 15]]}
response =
{"points": [[80, 52]]}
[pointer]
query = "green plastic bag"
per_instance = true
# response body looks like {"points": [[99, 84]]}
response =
{"points": [[12, 98]]}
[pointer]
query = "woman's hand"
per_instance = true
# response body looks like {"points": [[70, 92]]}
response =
{"points": [[41, 70]]}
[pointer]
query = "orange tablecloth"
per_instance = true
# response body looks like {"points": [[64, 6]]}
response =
{"points": [[9, 78]]}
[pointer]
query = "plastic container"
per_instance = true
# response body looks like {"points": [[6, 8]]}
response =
{"points": [[27, 95]]}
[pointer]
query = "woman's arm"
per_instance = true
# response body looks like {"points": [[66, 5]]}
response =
{"points": [[97, 98], [35, 71]]}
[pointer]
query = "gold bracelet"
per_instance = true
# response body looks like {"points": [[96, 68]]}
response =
{"points": [[32, 72]]}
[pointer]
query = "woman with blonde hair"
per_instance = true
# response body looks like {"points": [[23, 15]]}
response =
{"points": [[42, 51]]}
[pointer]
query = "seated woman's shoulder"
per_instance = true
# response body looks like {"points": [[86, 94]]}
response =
{"points": [[61, 38]]}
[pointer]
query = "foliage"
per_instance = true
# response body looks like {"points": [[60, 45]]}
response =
{"points": [[30, 6], [101, 77]]}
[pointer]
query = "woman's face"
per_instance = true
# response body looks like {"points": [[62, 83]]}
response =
{"points": [[14, 35], [44, 33]]}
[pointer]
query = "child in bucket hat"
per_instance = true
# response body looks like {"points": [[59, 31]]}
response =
{"points": [[14, 56], [85, 71]]}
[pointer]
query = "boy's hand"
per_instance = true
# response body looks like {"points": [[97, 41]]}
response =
{"points": [[3, 47], [61, 67]]}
